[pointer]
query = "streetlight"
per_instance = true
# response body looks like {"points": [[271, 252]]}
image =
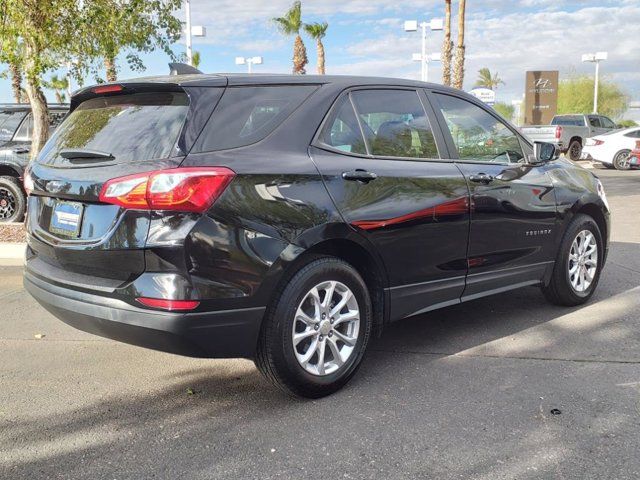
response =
{"points": [[423, 58], [595, 58], [249, 62], [196, 31]]}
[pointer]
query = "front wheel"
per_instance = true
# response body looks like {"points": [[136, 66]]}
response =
{"points": [[315, 334], [12, 200], [622, 160], [578, 264]]}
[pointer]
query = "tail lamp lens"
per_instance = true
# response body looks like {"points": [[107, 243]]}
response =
{"points": [[180, 189], [170, 305], [558, 132]]}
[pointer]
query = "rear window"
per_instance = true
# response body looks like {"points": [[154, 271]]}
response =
{"points": [[9, 122], [246, 115], [136, 127], [575, 121]]}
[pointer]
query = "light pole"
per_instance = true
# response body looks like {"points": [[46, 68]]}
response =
{"points": [[423, 58], [197, 31], [595, 58], [249, 62]]}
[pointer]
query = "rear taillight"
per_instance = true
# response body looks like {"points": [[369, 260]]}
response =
{"points": [[593, 142], [170, 305], [192, 189], [558, 132]]}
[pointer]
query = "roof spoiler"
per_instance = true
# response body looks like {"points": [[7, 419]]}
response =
{"points": [[182, 69]]}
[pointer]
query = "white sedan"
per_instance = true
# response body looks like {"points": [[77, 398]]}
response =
{"points": [[612, 149]]}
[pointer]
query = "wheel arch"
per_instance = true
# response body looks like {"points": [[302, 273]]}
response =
{"points": [[353, 249], [10, 171]]}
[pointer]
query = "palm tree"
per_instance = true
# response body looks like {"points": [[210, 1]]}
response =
{"points": [[487, 80], [317, 31], [16, 81], [59, 85], [289, 25], [447, 45], [458, 68], [195, 59]]}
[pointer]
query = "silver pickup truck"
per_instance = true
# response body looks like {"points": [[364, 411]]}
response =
{"points": [[569, 132]]}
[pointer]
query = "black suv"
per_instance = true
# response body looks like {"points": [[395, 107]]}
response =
{"points": [[16, 128], [286, 219]]}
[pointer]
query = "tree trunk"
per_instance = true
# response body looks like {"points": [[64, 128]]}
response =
{"points": [[40, 113], [321, 70], [59, 98], [299, 56], [447, 46], [110, 66], [458, 70], [16, 82]]}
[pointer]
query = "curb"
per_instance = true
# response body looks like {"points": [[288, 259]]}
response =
{"points": [[12, 254]]}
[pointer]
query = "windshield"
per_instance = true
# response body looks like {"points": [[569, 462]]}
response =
{"points": [[9, 122], [132, 128], [573, 120]]}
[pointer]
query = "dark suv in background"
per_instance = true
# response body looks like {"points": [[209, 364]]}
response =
{"points": [[16, 128], [286, 219]]}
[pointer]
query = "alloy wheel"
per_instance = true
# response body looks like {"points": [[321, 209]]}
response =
{"points": [[622, 161], [326, 328], [7, 204], [583, 261]]}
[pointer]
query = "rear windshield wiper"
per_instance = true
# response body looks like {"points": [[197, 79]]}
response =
{"points": [[74, 154]]}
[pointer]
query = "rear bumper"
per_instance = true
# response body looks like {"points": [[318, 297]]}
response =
{"points": [[219, 334]]}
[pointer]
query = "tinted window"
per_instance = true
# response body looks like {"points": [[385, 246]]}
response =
{"points": [[607, 123], [633, 134], [477, 134], [246, 115], [25, 131], [569, 120], [9, 121], [137, 127], [342, 130], [395, 123], [594, 122]]}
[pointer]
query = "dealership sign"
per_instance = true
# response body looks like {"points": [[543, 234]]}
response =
{"points": [[541, 97], [485, 95]]}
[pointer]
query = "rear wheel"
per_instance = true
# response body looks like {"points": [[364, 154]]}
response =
{"points": [[578, 265], [575, 150], [315, 334], [622, 160], [12, 200]]}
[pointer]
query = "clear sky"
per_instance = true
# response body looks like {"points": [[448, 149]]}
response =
{"points": [[367, 37]]}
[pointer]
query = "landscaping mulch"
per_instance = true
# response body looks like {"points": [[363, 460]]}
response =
{"points": [[12, 232]]}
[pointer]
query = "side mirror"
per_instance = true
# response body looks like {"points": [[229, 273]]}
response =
{"points": [[544, 152]]}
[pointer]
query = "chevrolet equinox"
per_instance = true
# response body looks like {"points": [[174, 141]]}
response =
{"points": [[288, 219]]}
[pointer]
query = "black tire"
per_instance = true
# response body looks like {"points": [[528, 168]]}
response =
{"points": [[621, 160], [575, 150], [560, 291], [276, 357], [13, 200]]}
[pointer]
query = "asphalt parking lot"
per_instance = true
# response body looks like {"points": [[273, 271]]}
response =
{"points": [[465, 392]]}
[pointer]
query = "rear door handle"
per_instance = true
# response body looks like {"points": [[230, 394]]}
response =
{"points": [[359, 175], [481, 178]]}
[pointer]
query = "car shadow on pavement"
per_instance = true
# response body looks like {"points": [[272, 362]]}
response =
{"points": [[431, 385]]}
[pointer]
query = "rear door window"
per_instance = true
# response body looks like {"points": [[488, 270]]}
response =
{"points": [[342, 131], [132, 128], [25, 131], [9, 122], [246, 115], [395, 123], [594, 122]]}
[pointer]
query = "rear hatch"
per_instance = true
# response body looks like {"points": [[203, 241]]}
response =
{"points": [[113, 132]]}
